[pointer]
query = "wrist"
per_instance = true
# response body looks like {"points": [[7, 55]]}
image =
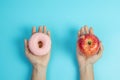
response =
{"points": [[86, 72], [39, 68], [39, 72], [85, 66]]}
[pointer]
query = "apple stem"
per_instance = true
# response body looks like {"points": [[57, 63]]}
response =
{"points": [[89, 42]]}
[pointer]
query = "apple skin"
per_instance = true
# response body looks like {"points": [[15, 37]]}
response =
{"points": [[88, 44]]}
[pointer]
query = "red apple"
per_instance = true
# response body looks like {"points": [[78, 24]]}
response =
{"points": [[88, 44]]}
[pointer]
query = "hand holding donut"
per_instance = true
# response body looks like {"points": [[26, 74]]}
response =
{"points": [[37, 49], [89, 40]]}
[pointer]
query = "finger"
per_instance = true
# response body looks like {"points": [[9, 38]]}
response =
{"points": [[48, 33], [26, 45], [44, 29], [78, 33], [100, 50], [33, 30], [97, 56], [91, 30], [40, 29], [81, 31], [28, 53], [86, 29]]}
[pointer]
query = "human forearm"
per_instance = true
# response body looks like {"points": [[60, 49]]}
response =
{"points": [[86, 72], [39, 73]]}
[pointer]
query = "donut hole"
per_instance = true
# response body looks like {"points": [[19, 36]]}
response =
{"points": [[40, 44]]}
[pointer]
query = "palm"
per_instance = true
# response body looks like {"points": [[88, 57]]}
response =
{"points": [[34, 59]]}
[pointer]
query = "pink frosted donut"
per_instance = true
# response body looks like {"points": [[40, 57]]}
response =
{"points": [[39, 44]]}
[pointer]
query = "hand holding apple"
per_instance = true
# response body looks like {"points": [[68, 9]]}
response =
{"points": [[89, 48]]}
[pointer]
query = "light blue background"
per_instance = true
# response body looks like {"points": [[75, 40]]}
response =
{"points": [[63, 18]]}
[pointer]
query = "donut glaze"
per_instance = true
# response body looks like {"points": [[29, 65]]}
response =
{"points": [[39, 44]]}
